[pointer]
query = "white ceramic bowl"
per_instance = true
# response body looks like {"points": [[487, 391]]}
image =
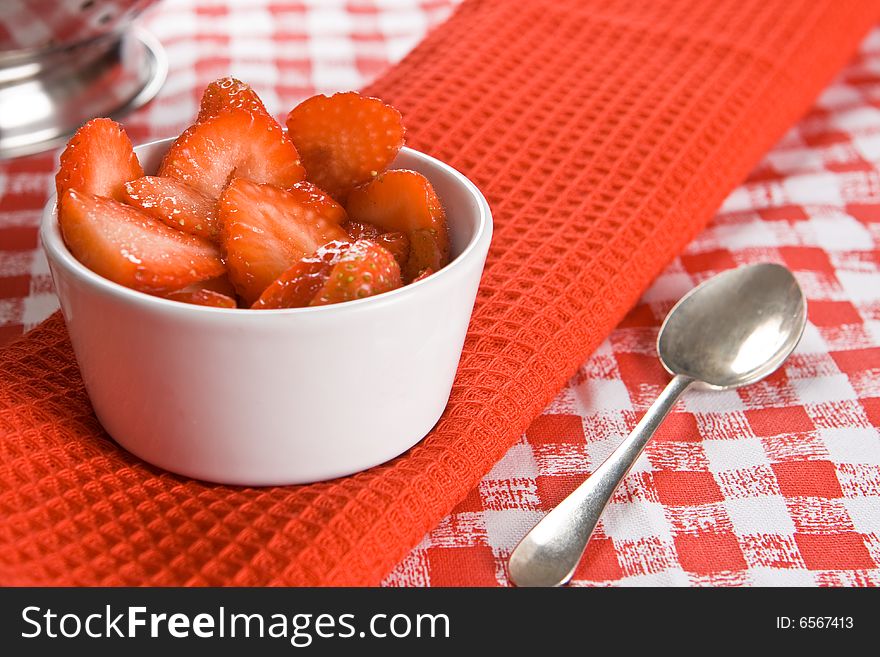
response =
{"points": [[265, 397]]}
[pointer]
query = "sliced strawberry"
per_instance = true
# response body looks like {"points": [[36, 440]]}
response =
{"points": [[423, 275], [203, 297], [98, 160], [174, 203], [405, 201], [345, 140], [364, 270], [360, 231], [229, 93], [396, 242], [234, 144], [264, 230], [319, 202], [132, 249], [297, 286]]}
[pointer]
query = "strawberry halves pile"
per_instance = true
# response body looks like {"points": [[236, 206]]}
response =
{"points": [[242, 214]]}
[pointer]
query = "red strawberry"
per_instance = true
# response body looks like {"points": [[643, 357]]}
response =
{"points": [[229, 93], [234, 144], [396, 242], [423, 275], [363, 270], [132, 249], [264, 230], [203, 297], [98, 160], [297, 286], [405, 201], [345, 140], [174, 203]]}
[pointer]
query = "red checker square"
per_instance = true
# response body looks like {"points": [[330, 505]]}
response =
{"points": [[857, 360], [807, 479], [679, 427], [452, 566], [708, 553], [636, 369], [14, 287], [18, 238], [806, 258], [833, 313], [840, 551], [717, 260], [8, 333], [599, 562], [864, 212], [640, 317], [783, 213], [553, 429], [774, 421], [552, 489], [686, 488], [473, 502], [872, 410], [827, 137]]}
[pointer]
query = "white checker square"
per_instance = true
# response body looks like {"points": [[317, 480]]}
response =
{"points": [[860, 286], [823, 389], [765, 576], [737, 454], [635, 521], [518, 462], [759, 515], [853, 445], [865, 513], [813, 189], [603, 395], [599, 450], [839, 233], [698, 400], [506, 527], [668, 287]]}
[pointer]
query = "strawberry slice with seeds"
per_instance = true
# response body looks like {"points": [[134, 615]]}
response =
{"points": [[264, 230], [405, 201], [396, 242], [203, 297], [126, 246], [297, 286], [99, 159], [236, 143], [363, 270], [229, 93], [174, 203], [345, 139]]}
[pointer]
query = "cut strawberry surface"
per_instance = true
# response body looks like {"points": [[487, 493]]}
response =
{"points": [[174, 203], [132, 249], [364, 270], [397, 242], [203, 297], [297, 286], [265, 230], [405, 201], [229, 93], [345, 139], [423, 275], [233, 144], [99, 159]]}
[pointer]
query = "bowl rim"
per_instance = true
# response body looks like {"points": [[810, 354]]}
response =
{"points": [[56, 251]]}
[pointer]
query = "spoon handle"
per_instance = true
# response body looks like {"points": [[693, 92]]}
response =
{"points": [[549, 553]]}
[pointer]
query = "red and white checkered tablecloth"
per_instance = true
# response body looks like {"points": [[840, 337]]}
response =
{"points": [[783, 477]]}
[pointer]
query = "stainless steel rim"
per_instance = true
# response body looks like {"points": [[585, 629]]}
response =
{"points": [[148, 79]]}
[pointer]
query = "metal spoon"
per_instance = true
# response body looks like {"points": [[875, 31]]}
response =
{"points": [[733, 330]]}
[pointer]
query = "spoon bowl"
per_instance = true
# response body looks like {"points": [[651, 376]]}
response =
{"points": [[735, 328]]}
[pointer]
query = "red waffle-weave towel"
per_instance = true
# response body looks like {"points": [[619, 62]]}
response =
{"points": [[604, 134]]}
